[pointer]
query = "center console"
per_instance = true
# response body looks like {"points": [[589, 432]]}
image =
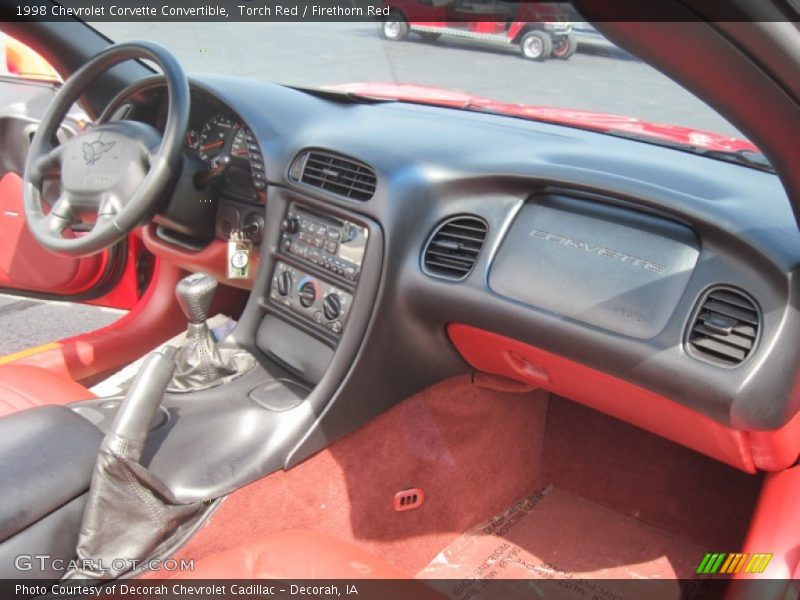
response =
{"points": [[308, 313], [316, 279]]}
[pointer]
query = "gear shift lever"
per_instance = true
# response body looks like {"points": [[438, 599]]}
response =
{"points": [[195, 294], [200, 362]]}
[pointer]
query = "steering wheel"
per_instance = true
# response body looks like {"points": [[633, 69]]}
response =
{"points": [[112, 175]]}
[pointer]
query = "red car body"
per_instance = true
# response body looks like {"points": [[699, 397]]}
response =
{"points": [[595, 121]]}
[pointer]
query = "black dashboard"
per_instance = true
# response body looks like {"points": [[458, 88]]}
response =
{"points": [[384, 222]]}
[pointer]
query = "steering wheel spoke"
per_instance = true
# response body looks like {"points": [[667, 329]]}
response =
{"points": [[109, 208], [56, 225], [62, 208], [151, 156], [47, 165], [60, 217], [104, 221]]}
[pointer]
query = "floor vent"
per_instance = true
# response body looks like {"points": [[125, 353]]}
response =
{"points": [[408, 499]]}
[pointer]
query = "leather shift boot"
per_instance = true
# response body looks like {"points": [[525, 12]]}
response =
{"points": [[130, 515], [202, 363]]}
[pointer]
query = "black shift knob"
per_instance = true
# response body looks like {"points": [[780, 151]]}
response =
{"points": [[194, 294]]}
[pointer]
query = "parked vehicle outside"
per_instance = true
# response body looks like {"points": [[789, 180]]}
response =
{"points": [[539, 31]]}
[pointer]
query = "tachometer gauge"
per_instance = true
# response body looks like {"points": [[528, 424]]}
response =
{"points": [[192, 140], [214, 136], [239, 144]]}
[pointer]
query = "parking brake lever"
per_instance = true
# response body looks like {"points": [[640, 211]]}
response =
{"points": [[125, 492], [137, 411]]}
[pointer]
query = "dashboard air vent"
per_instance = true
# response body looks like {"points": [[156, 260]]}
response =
{"points": [[335, 174], [454, 247], [725, 327]]}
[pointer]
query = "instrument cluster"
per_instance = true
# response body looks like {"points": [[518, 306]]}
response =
{"points": [[225, 144]]}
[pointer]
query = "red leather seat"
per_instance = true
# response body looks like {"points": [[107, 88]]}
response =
{"points": [[24, 387], [295, 554]]}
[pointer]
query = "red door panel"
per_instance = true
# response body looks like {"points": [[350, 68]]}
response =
{"points": [[25, 265], [112, 278]]}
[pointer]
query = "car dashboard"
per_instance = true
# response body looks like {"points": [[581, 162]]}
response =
{"points": [[397, 241]]}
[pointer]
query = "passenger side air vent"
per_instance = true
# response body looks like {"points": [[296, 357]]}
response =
{"points": [[335, 174], [454, 247], [725, 327]]}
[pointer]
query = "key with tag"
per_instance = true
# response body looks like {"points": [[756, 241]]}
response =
{"points": [[239, 250]]}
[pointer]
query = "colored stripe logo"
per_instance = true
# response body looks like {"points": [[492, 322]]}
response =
{"points": [[730, 563]]}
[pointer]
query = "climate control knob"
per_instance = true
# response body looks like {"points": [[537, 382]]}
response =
{"points": [[307, 293], [285, 282], [332, 306]]}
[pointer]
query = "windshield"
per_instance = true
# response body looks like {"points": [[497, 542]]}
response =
{"points": [[544, 61]]}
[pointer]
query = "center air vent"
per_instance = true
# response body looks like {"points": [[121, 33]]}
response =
{"points": [[454, 247], [335, 174], [725, 327]]}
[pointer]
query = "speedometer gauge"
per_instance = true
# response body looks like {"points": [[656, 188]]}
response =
{"points": [[214, 136]]}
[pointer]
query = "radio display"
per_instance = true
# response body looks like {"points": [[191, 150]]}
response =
{"points": [[353, 243]]}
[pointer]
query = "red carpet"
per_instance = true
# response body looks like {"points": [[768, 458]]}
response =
{"points": [[554, 534], [473, 451], [477, 451]]}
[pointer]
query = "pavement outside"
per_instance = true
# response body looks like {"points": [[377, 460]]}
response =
{"points": [[25, 323]]}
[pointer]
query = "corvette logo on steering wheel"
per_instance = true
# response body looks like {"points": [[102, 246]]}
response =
{"points": [[94, 150]]}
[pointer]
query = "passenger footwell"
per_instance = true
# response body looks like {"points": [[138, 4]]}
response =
{"points": [[553, 534]]}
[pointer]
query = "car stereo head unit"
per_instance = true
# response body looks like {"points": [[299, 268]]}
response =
{"points": [[333, 244]]}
